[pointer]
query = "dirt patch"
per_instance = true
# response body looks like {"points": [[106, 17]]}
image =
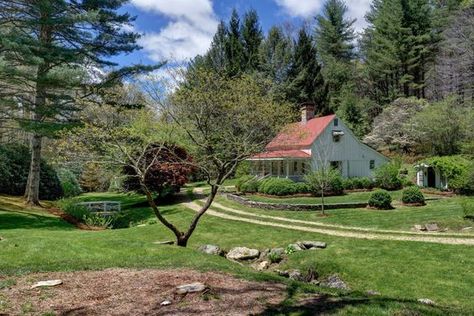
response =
{"points": [[137, 292]]}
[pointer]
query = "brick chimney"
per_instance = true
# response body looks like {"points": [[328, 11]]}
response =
{"points": [[307, 111]]}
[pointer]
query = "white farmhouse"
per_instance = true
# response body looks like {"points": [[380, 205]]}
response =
{"points": [[303, 146]]}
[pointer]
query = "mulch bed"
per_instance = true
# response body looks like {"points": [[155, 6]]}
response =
{"points": [[72, 220], [137, 292]]}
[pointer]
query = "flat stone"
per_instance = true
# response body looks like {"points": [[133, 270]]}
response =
{"points": [[419, 227], [260, 266], [372, 293], [141, 225], [48, 283], [277, 251], [295, 247], [335, 282], [210, 249], [167, 242], [426, 301], [314, 244], [242, 253], [190, 288], [432, 227], [465, 228], [165, 303]]}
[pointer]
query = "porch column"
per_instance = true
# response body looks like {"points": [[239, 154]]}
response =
{"points": [[287, 168]]}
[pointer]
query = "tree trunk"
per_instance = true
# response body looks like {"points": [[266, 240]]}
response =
{"points": [[32, 185], [182, 241], [322, 202]]}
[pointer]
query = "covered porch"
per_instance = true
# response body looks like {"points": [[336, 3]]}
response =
{"points": [[282, 164]]}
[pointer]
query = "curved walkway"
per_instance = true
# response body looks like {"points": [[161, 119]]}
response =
{"points": [[343, 231]]}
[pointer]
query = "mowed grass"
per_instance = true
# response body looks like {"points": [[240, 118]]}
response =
{"points": [[446, 212], [401, 271]]}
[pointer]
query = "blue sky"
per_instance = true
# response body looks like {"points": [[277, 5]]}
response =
{"points": [[178, 30]]}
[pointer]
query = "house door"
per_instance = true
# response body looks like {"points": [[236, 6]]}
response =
{"points": [[431, 177]]}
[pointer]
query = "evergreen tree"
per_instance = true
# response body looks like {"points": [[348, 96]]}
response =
{"points": [[251, 40], [305, 82], [216, 56], [334, 38], [276, 54], [47, 51], [234, 50]]}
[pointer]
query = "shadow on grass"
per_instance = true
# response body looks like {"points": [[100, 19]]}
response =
{"points": [[25, 220]]}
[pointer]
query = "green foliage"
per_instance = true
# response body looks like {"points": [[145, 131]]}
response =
{"points": [[301, 187], [240, 181], [94, 178], [387, 176], [98, 220], [357, 183], [413, 195], [69, 183], [459, 170], [290, 249], [274, 257], [14, 167], [277, 186], [467, 208], [250, 185], [243, 169], [325, 180], [71, 207], [380, 199]]}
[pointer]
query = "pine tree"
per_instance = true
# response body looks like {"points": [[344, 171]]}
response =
{"points": [[305, 82], [234, 49], [48, 48], [251, 40], [334, 36], [276, 56], [216, 56]]}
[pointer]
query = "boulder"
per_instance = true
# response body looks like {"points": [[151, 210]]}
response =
{"points": [[165, 303], [295, 275], [242, 253], [432, 227], [283, 273], [48, 283], [313, 244], [464, 229], [372, 293], [260, 266], [277, 252], [335, 282], [419, 228], [426, 301], [190, 288], [210, 249]]}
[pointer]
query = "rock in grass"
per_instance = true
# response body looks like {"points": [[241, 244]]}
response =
{"points": [[313, 244], [432, 227], [165, 303], [277, 252], [295, 275], [242, 253], [48, 283], [295, 247], [419, 228], [190, 288], [167, 242], [260, 266], [210, 249], [426, 301], [335, 282]]}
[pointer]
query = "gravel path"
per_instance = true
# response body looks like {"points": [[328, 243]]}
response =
{"points": [[362, 233]]}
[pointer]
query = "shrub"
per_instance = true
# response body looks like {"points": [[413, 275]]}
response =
{"points": [[380, 199], [97, 220], [330, 181], [407, 182], [14, 168], [348, 184], [275, 257], [243, 169], [468, 209], [277, 186], [242, 180], [386, 176], [366, 183], [70, 207], [69, 183], [301, 187], [250, 186], [413, 195]]}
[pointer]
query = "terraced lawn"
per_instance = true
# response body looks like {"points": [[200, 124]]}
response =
{"points": [[34, 241]]}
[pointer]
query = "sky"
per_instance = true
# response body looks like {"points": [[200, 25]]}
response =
{"points": [[178, 30]]}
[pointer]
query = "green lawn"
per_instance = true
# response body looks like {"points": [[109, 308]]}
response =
{"points": [[447, 213], [401, 271]]}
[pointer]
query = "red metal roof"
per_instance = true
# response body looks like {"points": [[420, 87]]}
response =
{"points": [[299, 135], [282, 154]]}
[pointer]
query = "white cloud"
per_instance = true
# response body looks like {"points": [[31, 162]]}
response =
{"points": [[310, 8], [302, 8], [189, 33]]}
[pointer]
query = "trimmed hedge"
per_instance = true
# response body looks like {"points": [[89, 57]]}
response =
{"points": [[357, 183], [413, 195], [380, 199], [277, 186]]}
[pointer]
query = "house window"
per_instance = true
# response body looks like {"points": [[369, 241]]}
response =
{"points": [[336, 165], [372, 164], [303, 167], [336, 122], [336, 136]]}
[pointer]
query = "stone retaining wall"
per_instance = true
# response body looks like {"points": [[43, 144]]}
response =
{"points": [[292, 207]]}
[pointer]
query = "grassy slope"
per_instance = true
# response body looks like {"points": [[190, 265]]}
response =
{"points": [[446, 212], [35, 241]]}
